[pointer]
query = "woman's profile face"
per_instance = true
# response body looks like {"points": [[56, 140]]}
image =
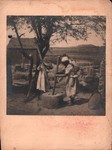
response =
{"points": [[65, 63]]}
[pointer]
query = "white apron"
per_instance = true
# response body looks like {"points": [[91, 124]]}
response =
{"points": [[42, 81], [71, 81]]}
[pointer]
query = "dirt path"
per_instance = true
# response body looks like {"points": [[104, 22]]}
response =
{"points": [[17, 106]]}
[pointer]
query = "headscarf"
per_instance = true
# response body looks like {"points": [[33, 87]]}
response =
{"points": [[64, 58]]}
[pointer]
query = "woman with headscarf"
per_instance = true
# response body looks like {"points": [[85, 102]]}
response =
{"points": [[71, 78]]}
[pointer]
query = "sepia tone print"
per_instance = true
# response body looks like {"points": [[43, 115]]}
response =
{"points": [[56, 65]]}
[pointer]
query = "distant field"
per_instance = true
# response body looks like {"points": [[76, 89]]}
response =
{"points": [[81, 49], [89, 53], [79, 53]]}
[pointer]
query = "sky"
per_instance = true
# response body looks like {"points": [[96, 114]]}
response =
{"points": [[97, 41], [93, 39]]}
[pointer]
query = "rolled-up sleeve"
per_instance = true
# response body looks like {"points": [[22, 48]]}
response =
{"points": [[68, 69]]}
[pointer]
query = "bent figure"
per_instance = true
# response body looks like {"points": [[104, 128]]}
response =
{"points": [[71, 78]]}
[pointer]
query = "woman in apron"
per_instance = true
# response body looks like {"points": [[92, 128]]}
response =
{"points": [[71, 79]]}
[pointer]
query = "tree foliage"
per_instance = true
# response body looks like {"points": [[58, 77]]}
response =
{"points": [[45, 27], [49, 29]]}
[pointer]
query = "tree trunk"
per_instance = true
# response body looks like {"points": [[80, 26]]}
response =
{"points": [[37, 64], [30, 58]]}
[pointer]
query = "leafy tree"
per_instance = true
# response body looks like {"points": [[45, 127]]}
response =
{"points": [[49, 29]]}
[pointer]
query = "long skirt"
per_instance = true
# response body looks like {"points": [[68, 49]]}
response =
{"points": [[71, 87], [42, 81]]}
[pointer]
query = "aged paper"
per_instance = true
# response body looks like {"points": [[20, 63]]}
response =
{"points": [[26, 132]]}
